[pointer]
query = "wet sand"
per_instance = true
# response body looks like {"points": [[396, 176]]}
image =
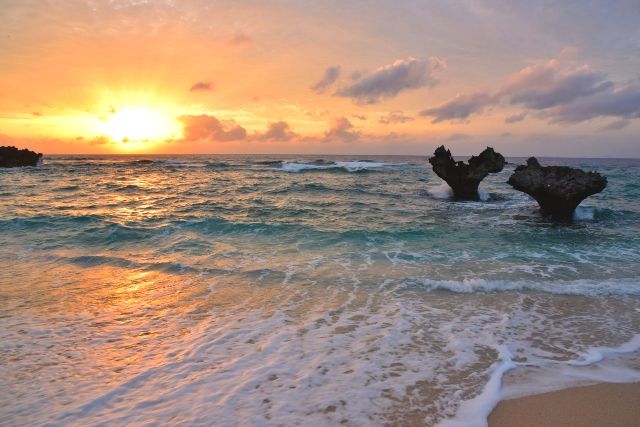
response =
{"points": [[609, 405]]}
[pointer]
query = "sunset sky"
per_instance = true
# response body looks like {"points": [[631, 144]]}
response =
{"points": [[371, 77]]}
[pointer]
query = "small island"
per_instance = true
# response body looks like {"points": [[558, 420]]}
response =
{"points": [[11, 157], [557, 189], [464, 178]]}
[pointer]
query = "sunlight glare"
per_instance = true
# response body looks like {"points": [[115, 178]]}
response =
{"points": [[137, 124]]}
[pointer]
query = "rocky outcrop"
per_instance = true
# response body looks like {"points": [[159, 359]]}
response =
{"points": [[557, 189], [11, 157], [464, 178]]}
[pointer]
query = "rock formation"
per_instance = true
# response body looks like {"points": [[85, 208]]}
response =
{"points": [[464, 178], [557, 189], [11, 157]]}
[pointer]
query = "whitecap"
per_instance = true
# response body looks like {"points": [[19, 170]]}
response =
{"points": [[352, 166], [442, 191], [583, 213], [560, 287]]}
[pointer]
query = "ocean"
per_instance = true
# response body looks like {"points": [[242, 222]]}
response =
{"points": [[303, 290]]}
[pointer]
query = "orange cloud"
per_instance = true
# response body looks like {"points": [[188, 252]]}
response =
{"points": [[341, 129], [208, 128]]}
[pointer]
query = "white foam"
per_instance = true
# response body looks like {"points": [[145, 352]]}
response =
{"points": [[362, 165], [596, 354], [595, 365], [298, 167], [442, 191], [583, 213], [329, 342], [349, 166], [549, 375], [560, 287], [474, 412]]}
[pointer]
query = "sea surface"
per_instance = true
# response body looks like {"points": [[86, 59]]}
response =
{"points": [[303, 290]]}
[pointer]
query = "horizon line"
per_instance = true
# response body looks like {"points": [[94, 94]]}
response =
{"points": [[324, 154]]}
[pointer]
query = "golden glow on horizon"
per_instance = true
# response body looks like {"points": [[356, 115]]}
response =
{"points": [[137, 126]]}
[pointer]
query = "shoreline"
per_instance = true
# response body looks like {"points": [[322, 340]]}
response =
{"points": [[610, 404]]}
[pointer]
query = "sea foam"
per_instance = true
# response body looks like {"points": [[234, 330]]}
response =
{"points": [[242, 290], [350, 166]]}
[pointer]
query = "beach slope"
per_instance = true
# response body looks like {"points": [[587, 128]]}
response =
{"points": [[610, 405]]}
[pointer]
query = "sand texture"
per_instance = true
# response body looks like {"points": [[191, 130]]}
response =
{"points": [[610, 405]]}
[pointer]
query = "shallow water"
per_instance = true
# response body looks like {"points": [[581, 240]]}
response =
{"points": [[283, 290]]}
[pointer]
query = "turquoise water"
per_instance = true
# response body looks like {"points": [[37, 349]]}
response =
{"points": [[278, 290]]}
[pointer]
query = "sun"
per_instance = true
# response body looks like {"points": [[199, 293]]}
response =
{"points": [[133, 124]]}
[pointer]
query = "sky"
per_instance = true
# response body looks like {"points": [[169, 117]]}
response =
{"points": [[541, 78]]}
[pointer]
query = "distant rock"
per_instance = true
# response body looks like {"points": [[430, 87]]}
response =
{"points": [[557, 189], [11, 157], [464, 178]]}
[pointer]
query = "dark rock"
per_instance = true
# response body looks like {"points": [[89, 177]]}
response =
{"points": [[464, 178], [557, 189], [11, 157]]}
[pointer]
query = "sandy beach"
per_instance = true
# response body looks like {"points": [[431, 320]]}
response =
{"points": [[610, 405]]}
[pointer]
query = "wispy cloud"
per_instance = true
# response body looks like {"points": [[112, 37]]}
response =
{"points": [[514, 118], [623, 103], [615, 125], [553, 90], [240, 39], [548, 85], [395, 117], [201, 87], [388, 81], [460, 107], [457, 137], [330, 76]]}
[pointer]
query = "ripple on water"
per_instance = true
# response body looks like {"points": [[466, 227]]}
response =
{"points": [[293, 289]]}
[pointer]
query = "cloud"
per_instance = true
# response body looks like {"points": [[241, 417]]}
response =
{"points": [[360, 116], [460, 107], [395, 117], [388, 81], [357, 75], [99, 140], [331, 74], [318, 112], [240, 39], [515, 118], [341, 129], [457, 137], [553, 90], [618, 124], [201, 86], [278, 131], [623, 103], [96, 140], [547, 85], [209, 128]]}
